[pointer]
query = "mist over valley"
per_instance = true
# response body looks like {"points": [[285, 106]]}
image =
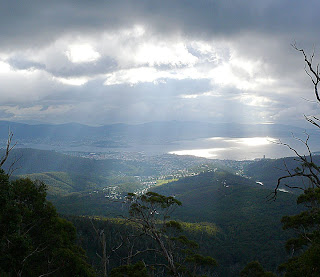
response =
{"points": [[215, 141]]}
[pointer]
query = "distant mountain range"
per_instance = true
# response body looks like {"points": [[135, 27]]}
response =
{"points": [[123, 135]]}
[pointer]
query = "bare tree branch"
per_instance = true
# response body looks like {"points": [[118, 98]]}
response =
{"points": [[9, 147]]}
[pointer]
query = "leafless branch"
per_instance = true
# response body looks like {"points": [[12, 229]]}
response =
{"points": [[312, 73], [308, 170], [313, 120], [102, 239], [12, 167], [49, 273], [138, 252], [37, 250], [9, 147]]}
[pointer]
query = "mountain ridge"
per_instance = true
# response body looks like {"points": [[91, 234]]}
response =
{"points": [[165, 130]]}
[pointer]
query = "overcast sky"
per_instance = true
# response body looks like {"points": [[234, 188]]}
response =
{"points": [[109, 61]]}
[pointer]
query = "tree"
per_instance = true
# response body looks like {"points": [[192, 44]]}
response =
{"points": [[102, 241], [254, 269], [150, 214], [304, 249], [34, 240], [132, 270]]}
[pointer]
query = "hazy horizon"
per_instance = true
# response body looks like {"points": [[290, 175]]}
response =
{"points": [[213, 141]]}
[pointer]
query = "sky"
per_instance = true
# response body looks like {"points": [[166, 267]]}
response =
{"points": [[123, 61]]}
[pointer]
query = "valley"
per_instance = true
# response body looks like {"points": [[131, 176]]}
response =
{"points": [[231, 197], [232, 141], [220, 192]]}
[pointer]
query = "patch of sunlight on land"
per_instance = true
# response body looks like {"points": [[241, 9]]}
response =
{"points": [[197, 228], [161, 182], [204, 153], [201, 227]]}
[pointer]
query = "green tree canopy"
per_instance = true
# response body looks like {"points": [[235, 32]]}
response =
{"points": [[34, 240], [151, 213], [305, 247], [255, 269]]}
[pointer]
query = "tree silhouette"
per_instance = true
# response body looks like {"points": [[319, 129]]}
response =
{"points": [[34, 240], [304, 249], [151, 214]]}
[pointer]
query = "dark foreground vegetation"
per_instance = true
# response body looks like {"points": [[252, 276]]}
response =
{"points": [[34, 240], [225, 221], [223, 216]]}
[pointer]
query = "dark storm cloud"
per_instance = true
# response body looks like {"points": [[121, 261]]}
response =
{"points": [[250, 42], [33, 23]]}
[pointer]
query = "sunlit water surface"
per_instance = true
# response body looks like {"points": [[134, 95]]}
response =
{"points": [[211, 148], [243, 148]]}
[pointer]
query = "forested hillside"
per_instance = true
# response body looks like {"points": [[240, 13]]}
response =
{"points": [[36, 161], [249, 224], [268, 171], [235, 221], [63, 183]]}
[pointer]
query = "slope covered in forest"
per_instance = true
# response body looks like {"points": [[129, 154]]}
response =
{"points": [[268, 171], [248, 224], [250, 227]]}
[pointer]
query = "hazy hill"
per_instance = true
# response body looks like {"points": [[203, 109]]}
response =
{"points": [[250, 225], [37, 161], [268, 171], [208, 196], [68, 174], [118, 135]]}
